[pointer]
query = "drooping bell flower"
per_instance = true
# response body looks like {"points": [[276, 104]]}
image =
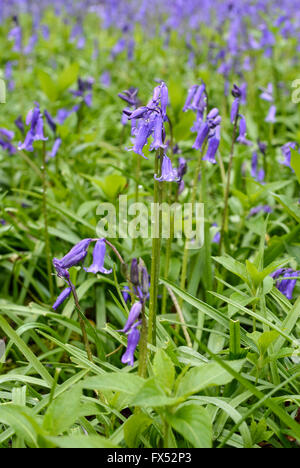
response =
{"points": [[213, 145], [217, 237], [76, 255], [286, 152], [98, 259], [237, 94], [288, 282], [133, 340], [126, 294], [50, 121], [62, 297], [6, 136], [36, 132], [158, 131], [55, 148], [271, 117], [133, 316], [259, 209], [20, 124], [190, 96], [243, 132], [201, 136], [168, 173]]}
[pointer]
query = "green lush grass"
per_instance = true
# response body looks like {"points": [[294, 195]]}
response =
{"points": [[234, 387]]}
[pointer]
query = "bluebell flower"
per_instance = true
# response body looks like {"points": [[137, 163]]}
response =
{"points": [[76, 255], [168, 173], [55, 147], [134, 315], [98, 259], [133, 340], [62, 297], [286, 152], [288, 282], [271, 117], [243, 132], [36, 132], [213, 145], [259, 209]]}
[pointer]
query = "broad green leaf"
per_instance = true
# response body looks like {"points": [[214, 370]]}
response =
{"points": [[63, 412], [234, 266], [118, 382], [135, 425], [150, 394], [17, 417], [67, 77], [48, 85], [295, 163], [163, 370], [193, 423], [206, 375]]}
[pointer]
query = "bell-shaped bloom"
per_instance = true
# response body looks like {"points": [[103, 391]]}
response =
{"points": [[55, 148], [141, 138], [234, 110], [254, 164], [126, 294], [288, 282], [267, 94], [271, 117], [133, 340], [98, 259], [190, 96], [217, 237], [61, 298], [243, 132], [197, 97], [213, 145], [259, 209], [286, 152], [158, 133], [168, 173], [20, 124], [133, 316], [50, 121], [201, 136], [76, 255]]}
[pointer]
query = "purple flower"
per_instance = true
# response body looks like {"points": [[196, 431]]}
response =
{"points": [[189, 99], [61, 298], [20, 124], [201, 136], [267, 94], [260, 208], [55, 148], [98, 259], [126, 294], [50, 121], [76, 255], [213, 145], [36, 132], [168, 173], [286, 151], [243, 132], [105, 79], [217, 236], [133, 340], [134, 314], [158, 133], [271, 117], [287, 284]]}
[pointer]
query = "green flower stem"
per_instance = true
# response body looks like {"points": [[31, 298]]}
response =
{"points": [[155, 263], [46, 233], [224, 227], [193, 199], [82, 325]]}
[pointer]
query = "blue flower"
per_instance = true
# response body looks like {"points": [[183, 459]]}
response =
{"points": [[98, 259]]}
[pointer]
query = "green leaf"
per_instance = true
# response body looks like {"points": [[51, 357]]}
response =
{"points": [[63, 412], [17, 418], [163, 370], [193, 423], [234, 266], [2, 92], [82, 441], [150, 394], [295, 163], [135, 425], [289, 205], [118, 382], [206, 375], [67, 77], [112, 185], [48, 85]]}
